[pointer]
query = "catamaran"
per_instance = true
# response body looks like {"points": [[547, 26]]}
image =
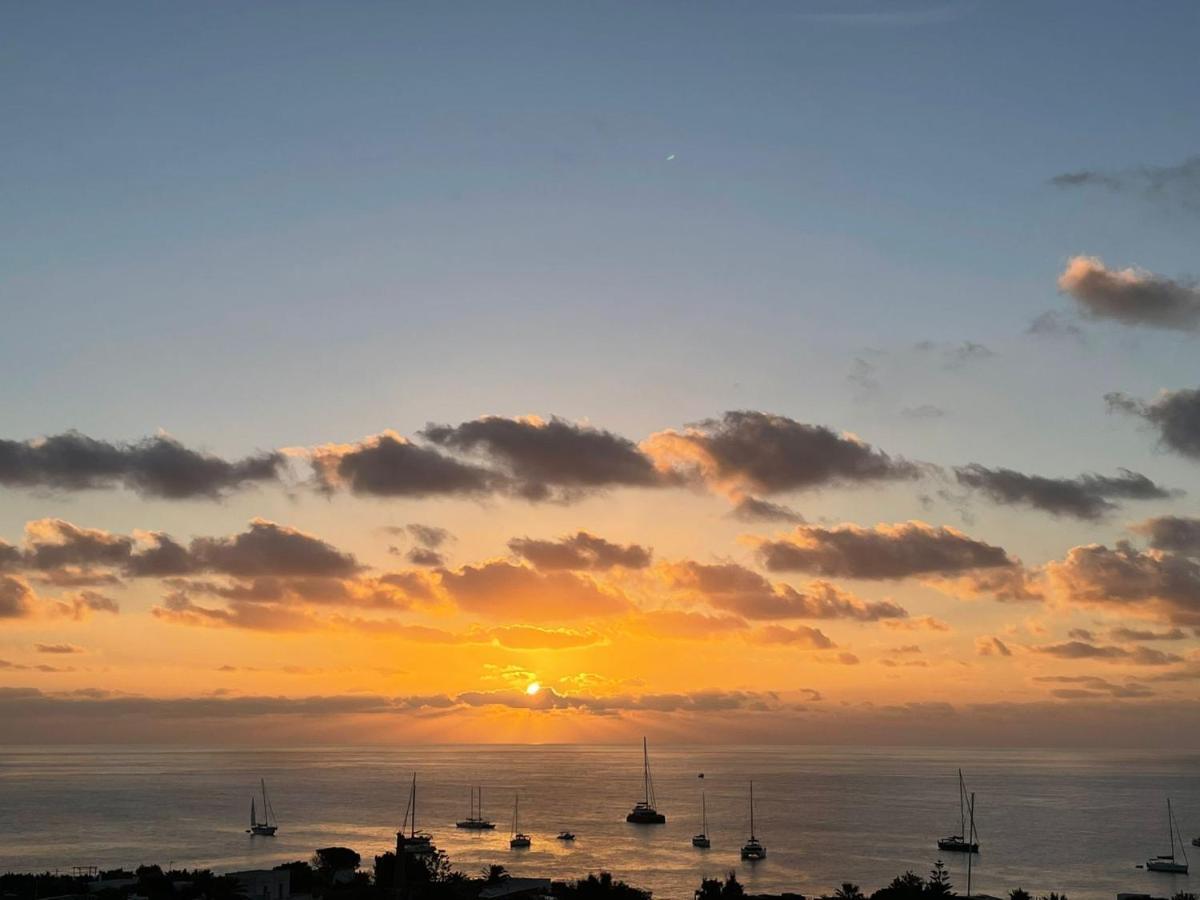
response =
{"points": [[519, 839], [417, 842], [964, 841], [1169, 863], [753, 848], [701, 840], [475, 820], [643, 812], [267, 827]]}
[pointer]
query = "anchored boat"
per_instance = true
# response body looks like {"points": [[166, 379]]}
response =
{"points": [[644, 812], [267, 827], [965, 841], [1169, 863]]}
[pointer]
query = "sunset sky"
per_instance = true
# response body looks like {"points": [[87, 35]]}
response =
{"points": [[793, 371]]}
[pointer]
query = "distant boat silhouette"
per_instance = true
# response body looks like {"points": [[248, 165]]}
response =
{"points": [[753, 849], [566, 835], [475, 820], [643, 812], [964, 841], [1168, 863], [267, 827], [701, 840], [519, 839], [418, 842]]}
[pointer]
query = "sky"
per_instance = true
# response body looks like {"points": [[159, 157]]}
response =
{"points": [[413, 372]]}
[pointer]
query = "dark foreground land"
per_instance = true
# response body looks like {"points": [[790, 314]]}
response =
{"points": [[336, 873]]}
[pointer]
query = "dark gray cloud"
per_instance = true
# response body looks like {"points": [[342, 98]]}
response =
{"points": [[16, 598], [1142, 634], [1179, 534], [161, 558], [57, 648], [1136, 656], [1087, 496], [550, 459], [155, 467], [1175, 188], [423, 556], [58, 544], [882, 552], [269, 549], [754, 509], [581, 551], [430, 536], [747, 452], [736, 589], [1054, 324], [1131, 296], [1164, 583], [502, 590], [388, 465], [1089, 687], [992, 646], [10, 556], [955, 356], [1176, 415]]}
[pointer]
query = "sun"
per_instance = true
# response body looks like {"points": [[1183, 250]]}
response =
{"points": [[533, 688]]}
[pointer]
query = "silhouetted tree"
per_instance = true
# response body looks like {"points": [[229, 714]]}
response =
{"points": [[1184, 895], [599, 887], [908, 886], [1053, 896], [494, 873], [1019, 894], [849, 891], [328, 860], [939, 881]]}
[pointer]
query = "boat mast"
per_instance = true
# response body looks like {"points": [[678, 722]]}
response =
{"points": [[1171, 827], [751, 810], [970, 841], [703, 815], [253, 817], [414, 805], [646, 770], [266, 805]]}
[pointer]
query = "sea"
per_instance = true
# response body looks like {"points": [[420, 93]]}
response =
{"points": [[1075, 822]]}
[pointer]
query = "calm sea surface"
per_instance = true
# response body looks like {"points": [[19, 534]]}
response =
{"points": [[1048, 820]]}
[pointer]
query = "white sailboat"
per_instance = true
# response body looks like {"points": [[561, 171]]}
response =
{"points": [[753, 849], [965, 841], [701, 840], [417, 842], [267, 827], [475, 821], [519, 839], [644, 812], [1170, 863]]}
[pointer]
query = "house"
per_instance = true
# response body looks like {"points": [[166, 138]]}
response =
{"points": [[265, 884], [513, 887]]}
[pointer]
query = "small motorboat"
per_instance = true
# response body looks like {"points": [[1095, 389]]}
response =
{"points": [[753, 850], [519, 839], [566, 836]]}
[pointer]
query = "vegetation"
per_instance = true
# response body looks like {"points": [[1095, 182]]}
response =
{"points": [[713, 889]]}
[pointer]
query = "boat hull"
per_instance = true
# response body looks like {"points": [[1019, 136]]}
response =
{"points": [[519, 843], [701, 841], [475, 826], [1167, 865], [646, 817], [262, 830], [957, 845], [753, 854]]}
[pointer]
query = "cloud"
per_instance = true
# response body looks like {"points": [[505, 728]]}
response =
{"points": [[1088, 687], [531, 637], [1142, 634], [430, 536], [1176, 415], [80, 606], [1175, 187], [58, 648], [1161, 583], [798, 635], [16, 598], [1053, 324], [923, 413], [687, 625], [1178, 534], [423, 556], [580, 551], [1088, 496], [1012, 584], [991, 646], [917, 623], [550, 459], [746, 453], [882, 552], [1137, 656], [1131, 296], [266, 548], [955, 356], [742, 591], [154, 467], [754, 509], [389, 465], [56, 544], [500, 589]]}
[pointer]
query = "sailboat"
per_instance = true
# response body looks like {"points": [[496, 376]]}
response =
{"points": [[475, 820], [267, 827], [643, 812], [418, 842], [519, 839], [964, 841], [1169, 863], [701, 840], [753, 848]]}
